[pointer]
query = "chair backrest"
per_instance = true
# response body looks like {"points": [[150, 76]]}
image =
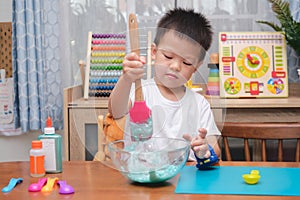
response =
{"points": [[100, 155], [263, 132], [109, 130]]}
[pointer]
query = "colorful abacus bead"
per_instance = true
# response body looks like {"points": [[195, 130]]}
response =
{"points": [[108, 35], [108, 51]]}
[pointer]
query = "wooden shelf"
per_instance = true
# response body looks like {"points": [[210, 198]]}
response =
{"points": [[293, 101]]}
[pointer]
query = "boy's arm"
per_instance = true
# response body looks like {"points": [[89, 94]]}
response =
{"points": [[118, 102], [213, 141]]}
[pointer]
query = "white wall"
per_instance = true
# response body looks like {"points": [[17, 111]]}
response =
{"points": [[14, 148], [5, 11]]}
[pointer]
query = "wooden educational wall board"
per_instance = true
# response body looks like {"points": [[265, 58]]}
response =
{"points": [[253, 64], [6, 48]]}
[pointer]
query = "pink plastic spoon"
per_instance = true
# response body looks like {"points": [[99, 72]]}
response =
{"points": [[36, 187]]}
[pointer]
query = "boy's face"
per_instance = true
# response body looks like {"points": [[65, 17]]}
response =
{"points": [[176, 59]]}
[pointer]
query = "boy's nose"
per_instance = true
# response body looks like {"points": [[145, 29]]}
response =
{"points": [[175, 65]]}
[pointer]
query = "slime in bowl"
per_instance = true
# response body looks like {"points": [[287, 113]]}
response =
{"points": [[154, 160]]}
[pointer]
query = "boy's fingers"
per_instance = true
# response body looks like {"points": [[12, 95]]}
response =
{"points": [[187, 137], [132, 64], [202, 132], [143, 59], [135, 57], [207, 155], [131, 56]]}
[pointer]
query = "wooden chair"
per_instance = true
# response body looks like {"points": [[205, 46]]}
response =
{"points": [[109, 130], [262, 132]]}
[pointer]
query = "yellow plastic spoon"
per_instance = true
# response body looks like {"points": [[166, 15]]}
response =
{"points": [[50, 184]]}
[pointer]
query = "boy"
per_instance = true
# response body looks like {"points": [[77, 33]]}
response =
{"points": [[179, 48]]}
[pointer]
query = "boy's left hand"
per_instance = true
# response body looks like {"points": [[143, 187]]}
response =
{"points": [[199, 144]]}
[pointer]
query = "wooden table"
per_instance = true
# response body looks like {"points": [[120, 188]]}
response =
{"points": [[93, 180]]}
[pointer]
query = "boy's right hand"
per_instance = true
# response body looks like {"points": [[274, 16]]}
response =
{"points": [[199, 143], [133, 67]]}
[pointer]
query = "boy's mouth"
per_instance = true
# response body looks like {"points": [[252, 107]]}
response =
{"points": [[172, 76]]}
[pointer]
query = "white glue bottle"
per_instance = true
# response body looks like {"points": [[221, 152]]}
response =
{"points": [[52, 145]]}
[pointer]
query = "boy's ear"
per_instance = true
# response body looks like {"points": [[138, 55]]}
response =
{"points": [[153, 51]]}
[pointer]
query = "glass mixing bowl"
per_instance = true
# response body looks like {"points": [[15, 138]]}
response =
{"points": [[151, 161]]}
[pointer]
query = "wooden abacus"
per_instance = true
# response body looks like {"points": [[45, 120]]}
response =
{"points": [[105, 54]]}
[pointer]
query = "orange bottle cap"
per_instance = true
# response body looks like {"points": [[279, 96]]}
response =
{"points": [[49, 122], [36, 144]]}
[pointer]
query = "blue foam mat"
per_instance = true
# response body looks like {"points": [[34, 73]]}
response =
{"points": [[274, 181]]}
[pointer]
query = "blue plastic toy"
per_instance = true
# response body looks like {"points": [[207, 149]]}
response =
{"points": [[12, 183], [205, 163]]}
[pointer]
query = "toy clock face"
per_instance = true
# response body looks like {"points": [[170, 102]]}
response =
{"points": [[252, 64]]}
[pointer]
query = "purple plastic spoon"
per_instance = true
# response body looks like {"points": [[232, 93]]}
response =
{"points": [[36, 187], [64, 188]]}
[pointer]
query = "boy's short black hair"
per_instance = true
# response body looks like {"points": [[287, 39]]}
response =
{"points": [[188, 24]]}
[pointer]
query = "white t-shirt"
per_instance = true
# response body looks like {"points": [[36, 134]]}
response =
{"points": [[174, 118]]}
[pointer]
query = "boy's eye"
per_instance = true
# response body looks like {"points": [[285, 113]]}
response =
{"points": [[168, 57], [188, 64]]}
